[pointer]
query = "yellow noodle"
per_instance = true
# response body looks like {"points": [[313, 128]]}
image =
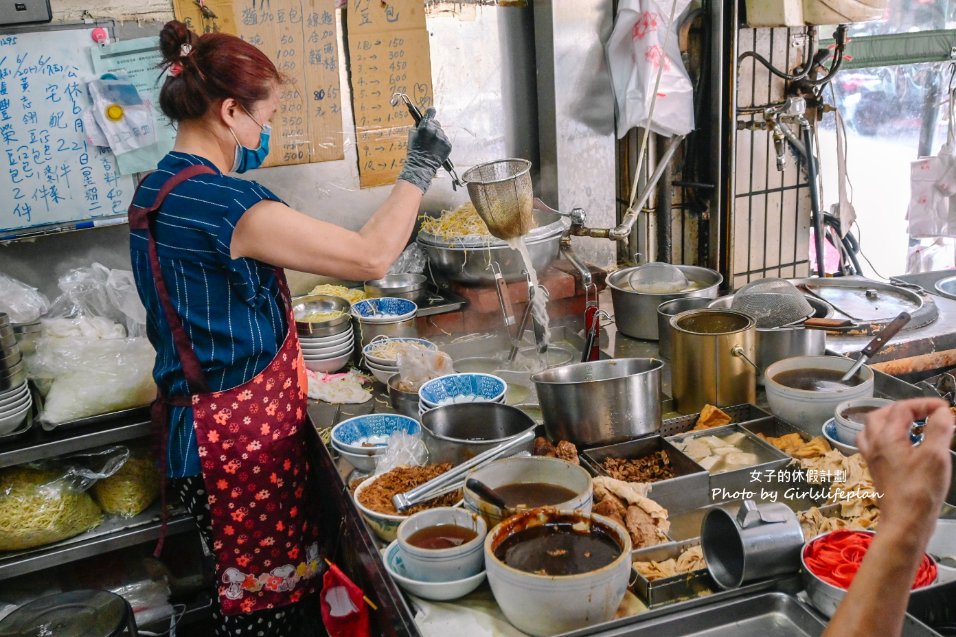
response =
{"points": [[36, 508], [463, 221], [131, 489], [352, 295]]}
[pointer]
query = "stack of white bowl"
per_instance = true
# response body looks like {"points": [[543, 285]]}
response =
{"points": [[15, 398], [382, 367], [461, 388], [327, 346]]}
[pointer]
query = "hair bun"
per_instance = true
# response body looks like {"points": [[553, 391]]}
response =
{"points": [[174, 39]]}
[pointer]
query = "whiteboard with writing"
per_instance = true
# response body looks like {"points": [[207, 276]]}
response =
{"points": [[49, 174]]}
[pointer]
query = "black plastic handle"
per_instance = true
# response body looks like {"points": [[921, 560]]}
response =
{"points": [[485, 492]]}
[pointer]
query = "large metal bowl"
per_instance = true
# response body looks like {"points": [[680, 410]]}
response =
{"points": [[635, 313], [455, 433], [468, 261], [305, 305], [404, 286], [601, 402]]}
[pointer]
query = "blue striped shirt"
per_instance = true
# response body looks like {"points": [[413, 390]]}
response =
{"points": [[231, 308]]}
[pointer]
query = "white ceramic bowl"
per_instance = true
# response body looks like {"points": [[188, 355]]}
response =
{"points": [[309, 346], [805, 409], [390, 362], [848, 428], [329, 365], [547, 605], [14, 397], [832, 433], [329, 352], [381, 373], [364, 462], [13, 419], [435, 591], [319, 349], [385, 526], [443, 565], [368, 432], [323, 341], [535, 470]]}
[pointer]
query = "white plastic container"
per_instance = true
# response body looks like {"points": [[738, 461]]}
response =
{"points": [[775, 13], [842, 11]]}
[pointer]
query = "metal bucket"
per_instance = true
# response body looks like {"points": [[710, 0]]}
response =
{"points": [[601, 402], [759, 542], [712, 350], [786, 342], [668, 309], [635, 313]]}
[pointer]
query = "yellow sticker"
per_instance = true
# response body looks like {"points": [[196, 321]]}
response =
{"points": [[114, 112]]}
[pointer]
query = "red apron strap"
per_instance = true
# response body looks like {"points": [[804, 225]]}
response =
{"points": [[140, 219]]}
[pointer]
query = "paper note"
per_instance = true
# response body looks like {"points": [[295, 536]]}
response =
{"points": [[140, 58], [388, 51], [300, 37]]}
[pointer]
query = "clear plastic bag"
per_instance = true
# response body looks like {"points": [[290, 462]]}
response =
{"points": [[416, 366], [83, 377], [130, 490], [45, 503], [403, 450], [19, 301], [96, 292], [411, 261]]}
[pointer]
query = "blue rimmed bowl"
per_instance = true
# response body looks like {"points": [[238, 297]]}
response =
{"points": [[462, 388], [833, 436], [359, 434], [386, 309]]}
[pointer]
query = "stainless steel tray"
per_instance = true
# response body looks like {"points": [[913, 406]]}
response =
{"points": [[776, 614], [122, 414], [769, 458], [688, 490], [740, 413], [774, 428], [668, 590]]}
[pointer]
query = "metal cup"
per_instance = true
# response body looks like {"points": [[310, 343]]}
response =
{"points": [[759, 542]]}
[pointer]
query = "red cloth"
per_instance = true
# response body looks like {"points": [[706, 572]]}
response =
{"points": [[343, 608]]}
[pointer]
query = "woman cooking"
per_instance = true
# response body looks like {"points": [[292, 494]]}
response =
{"points": [[207, 252]]}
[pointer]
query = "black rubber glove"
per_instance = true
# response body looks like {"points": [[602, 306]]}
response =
{"points": [[428, 148]]}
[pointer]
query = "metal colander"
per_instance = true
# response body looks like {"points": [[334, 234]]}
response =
{"points": [[502, 195], [772, 303]]}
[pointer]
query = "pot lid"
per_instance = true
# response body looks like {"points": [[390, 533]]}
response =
{"points": [[947, 287], [870, 304], [86, 613]]}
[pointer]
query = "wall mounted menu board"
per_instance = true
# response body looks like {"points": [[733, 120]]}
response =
{"points": [[388, 53], [299, 36], [51, 178]]}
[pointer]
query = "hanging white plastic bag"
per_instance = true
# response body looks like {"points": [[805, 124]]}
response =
{"points": [[932, 181], [642, 45]]}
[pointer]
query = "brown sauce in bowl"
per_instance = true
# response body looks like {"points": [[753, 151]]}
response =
{"points": [[816, 379], [533, 494], [557, 549], [441, 536], [858, 414]]}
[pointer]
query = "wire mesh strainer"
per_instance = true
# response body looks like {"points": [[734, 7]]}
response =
{"points": [[772, 303], [502, 195]]}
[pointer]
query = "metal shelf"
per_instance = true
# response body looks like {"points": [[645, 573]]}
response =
{"points": [[113, 534], [41, 445]]}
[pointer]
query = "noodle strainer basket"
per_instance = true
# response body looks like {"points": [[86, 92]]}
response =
{"points": [[502, 194]]}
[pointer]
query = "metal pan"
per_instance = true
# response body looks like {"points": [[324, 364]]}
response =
{"points": [[12, 378]]}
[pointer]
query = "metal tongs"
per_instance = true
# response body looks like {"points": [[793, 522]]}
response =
{"points": [[454, 478], [417, 116]]}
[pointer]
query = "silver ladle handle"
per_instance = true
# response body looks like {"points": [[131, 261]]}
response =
{"points": [[456, 476]]}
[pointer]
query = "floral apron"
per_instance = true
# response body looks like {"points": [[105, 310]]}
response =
{"points": [[252, 450]]}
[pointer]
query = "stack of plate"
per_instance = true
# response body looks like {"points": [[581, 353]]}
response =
{"points": [[324, 325], [384, 366], [461, 388], [15, 399]]}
